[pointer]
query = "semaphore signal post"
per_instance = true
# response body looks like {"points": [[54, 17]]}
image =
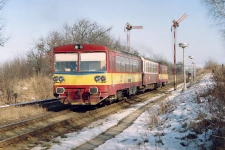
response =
{"points": [[175, 25], [128, 28]]}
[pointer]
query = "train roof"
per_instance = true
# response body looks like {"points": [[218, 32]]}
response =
{"points": [[143, 58], [67, 48], [94, 47]]}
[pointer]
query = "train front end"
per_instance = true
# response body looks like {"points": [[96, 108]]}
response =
{"points": [[80, 74]]}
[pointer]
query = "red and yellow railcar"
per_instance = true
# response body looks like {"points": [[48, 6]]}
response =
{"points": [[89, 74]]}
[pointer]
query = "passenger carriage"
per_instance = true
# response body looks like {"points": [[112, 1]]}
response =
{"points": [[163, 75], [154, 74], [150, 74]]}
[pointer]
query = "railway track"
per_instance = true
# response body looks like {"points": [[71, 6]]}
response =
{"points": [[43, 103], [52, 124]]}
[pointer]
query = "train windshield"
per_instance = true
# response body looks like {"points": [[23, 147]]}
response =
{"points": [[95, 61], [66, 62]]}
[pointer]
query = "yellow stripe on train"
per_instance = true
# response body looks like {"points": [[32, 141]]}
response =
{"points": [[163, 76], [89, 79]]}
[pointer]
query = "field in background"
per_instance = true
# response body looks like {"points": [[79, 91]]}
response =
{"points": [[30, 89]]}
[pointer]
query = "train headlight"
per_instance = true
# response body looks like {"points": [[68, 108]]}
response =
{"points": [[78, 46], [60, 90], [97, 78], [61, 79], [93, 90], [55, 78], [103, 78]]}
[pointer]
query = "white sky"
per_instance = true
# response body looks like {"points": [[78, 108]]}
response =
{"points": [[26, 21], [171, 126]]}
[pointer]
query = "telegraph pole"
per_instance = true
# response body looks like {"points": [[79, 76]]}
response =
{"points": [[128, 28], [175, 25]]}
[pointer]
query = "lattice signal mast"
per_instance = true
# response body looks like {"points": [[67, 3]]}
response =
{"points": [[175, 25], [128, 28]]}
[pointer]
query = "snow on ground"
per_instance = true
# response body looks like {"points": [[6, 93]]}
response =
{"points": [[154, 129], [4, 106]]}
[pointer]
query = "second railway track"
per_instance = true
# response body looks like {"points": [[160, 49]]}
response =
{"points": [[56, 123]]}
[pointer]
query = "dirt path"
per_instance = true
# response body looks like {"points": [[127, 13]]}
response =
{"points": [[120, 127]]}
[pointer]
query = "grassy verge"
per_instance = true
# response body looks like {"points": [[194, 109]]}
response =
{"points": [[11, 114]]}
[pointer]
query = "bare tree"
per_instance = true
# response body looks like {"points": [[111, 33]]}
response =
{"points": [[216, 10], [39, 61], [8, 80], [3, 39], [211, 64], [82, 31]]}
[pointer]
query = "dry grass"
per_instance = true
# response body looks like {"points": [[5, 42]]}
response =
{"points": [[165, 107], [14, 113], [42, 87], [204, 71], [216, 108], [171, 77], [153, 114], [35, 88]]}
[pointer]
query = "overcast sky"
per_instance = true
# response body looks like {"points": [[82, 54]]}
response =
{"points": [[28, 20]]}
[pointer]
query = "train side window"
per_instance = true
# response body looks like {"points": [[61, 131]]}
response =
{"points": [[122, 60], [112, 63], [135, 65], [151, 66], [118, 63], [127, 65], [138, 68], [131, 66], [154, 68], [157, 68], [145, 67]]}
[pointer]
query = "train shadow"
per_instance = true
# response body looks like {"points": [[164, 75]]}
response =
{"points": [[84, 108]]}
